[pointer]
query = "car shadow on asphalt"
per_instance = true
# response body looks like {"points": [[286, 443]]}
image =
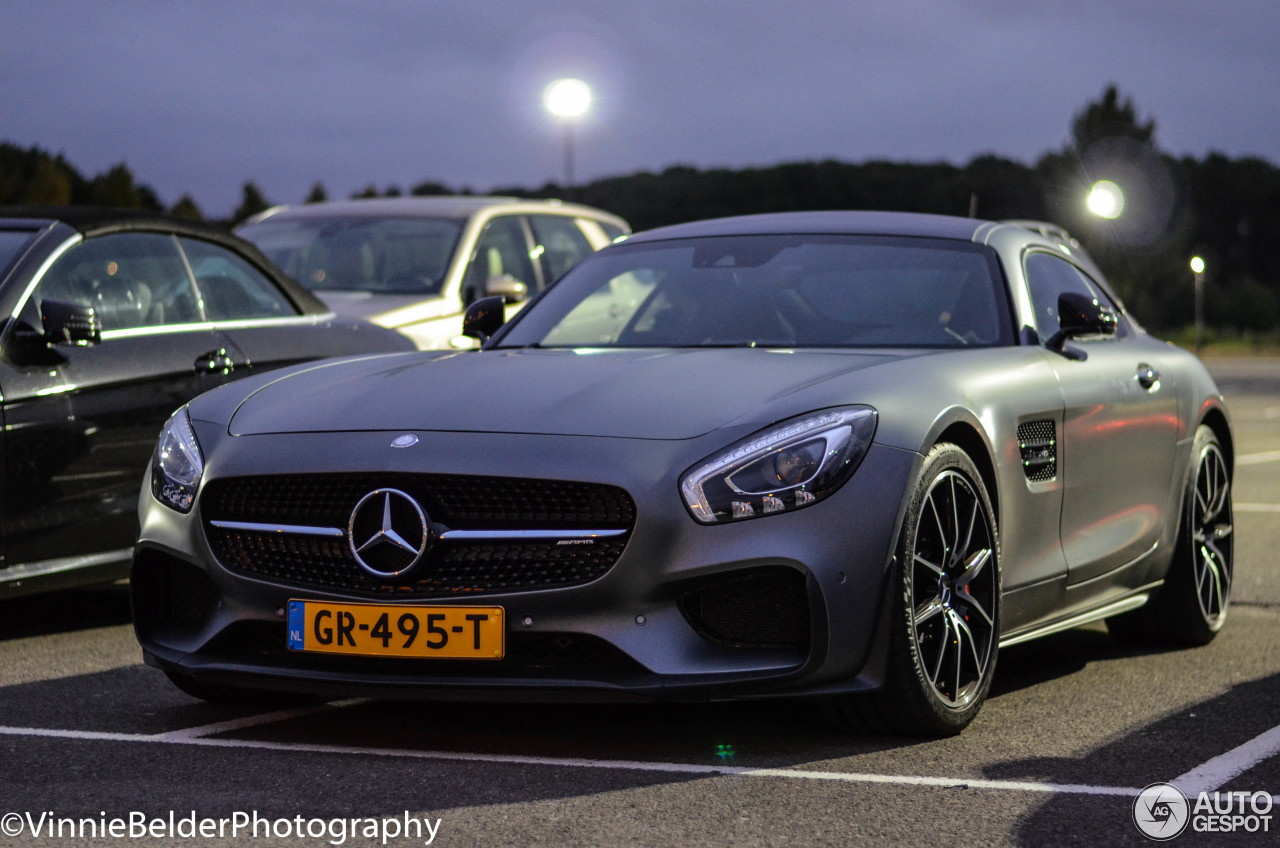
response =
{"points": [[1156, 752], [1055, 657], [65, 611]]}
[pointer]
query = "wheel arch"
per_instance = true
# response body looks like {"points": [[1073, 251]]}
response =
{"points": [[1215, 418], [966, 435]]}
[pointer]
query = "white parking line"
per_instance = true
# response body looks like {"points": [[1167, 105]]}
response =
{"points": [[253, 721], [1216, 772], [1255, 507], [1207, 777], [1258, 458], [573, 762]]}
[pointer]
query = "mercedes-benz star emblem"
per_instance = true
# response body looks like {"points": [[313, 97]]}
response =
{"points": [[388, 533]]}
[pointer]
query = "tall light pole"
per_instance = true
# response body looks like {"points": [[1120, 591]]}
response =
{"points": [[568, 100], [1197, 268]]}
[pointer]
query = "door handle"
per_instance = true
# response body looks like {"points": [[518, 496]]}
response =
{"points": [[215, 363], [1148, 377]]}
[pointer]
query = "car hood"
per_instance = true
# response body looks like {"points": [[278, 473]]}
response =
{"points": [[666, 394]]}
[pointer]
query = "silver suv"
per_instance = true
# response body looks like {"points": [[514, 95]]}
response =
{"points": [[415, 263]]}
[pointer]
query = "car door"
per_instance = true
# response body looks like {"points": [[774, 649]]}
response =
{"points": [[1118, 435], [265, 328], [81, 420]]}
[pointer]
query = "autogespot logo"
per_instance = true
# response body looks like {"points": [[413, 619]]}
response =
{"points": [[388, 533], [1161, 811]]}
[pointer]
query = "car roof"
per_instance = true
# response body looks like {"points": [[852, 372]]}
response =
{"points": [[92, 221], [833, 222], [441, 206], [97, 220]]}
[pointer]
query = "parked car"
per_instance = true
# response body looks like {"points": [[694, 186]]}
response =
{"points": [[415, 263], [848, 455], [111, 320]]}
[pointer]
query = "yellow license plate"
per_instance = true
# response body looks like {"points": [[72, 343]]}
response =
{"points": [[384, 630]]}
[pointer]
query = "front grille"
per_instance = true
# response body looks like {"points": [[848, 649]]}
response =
{"points": [[1038, 445], [450, 568], [768, 608], [459, 501], [555, 655]]}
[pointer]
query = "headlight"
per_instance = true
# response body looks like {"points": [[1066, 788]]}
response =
{"points": [[788, 466], [177, 465]]}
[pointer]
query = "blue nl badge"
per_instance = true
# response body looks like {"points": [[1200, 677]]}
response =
{"points": [[297, 618]]}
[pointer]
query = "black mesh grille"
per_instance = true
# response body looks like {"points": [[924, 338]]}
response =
{"points": [[527, 655], [763, 609], [457, 502], [1038, 444]]}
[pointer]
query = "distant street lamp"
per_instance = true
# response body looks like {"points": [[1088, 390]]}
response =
{"points": [[1197, 268], [1106, 200], [569, 100]]}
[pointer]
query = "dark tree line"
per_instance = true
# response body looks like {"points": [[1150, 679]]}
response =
{"points": [[1226, 210]]}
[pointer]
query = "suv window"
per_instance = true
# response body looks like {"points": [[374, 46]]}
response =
{"points": [[1049, 276], [561, 244], [502, 253]]}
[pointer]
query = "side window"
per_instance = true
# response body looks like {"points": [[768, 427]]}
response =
{"points": [[614, 233], [561, 244], [501, 259], [131, 280], [231, 288], [1049, 276]]}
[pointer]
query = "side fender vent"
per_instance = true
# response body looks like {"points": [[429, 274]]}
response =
{"points": [[1038, 443]]}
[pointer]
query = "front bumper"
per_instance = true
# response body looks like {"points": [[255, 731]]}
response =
{"points": [[635, 632]]}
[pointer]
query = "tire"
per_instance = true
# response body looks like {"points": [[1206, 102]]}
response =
{"points": [[219, 693], [1192, 606], [945, 615]]}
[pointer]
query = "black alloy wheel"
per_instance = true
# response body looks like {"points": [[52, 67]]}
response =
{"points": [[945, 624]]}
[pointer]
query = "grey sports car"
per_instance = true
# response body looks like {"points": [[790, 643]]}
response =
{"points": [[846, 455]]}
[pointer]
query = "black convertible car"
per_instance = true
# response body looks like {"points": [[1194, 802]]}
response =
{"points": [[847, 455], [109, 320]]}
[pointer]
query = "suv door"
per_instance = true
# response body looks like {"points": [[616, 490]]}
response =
{"points": [[1117, 447]]}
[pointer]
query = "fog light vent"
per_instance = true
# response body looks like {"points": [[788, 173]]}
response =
{"points": [[760, 609]]}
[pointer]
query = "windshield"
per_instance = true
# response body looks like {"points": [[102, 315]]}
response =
{"points": [[775, 291], [386, 255], [12, 243]]}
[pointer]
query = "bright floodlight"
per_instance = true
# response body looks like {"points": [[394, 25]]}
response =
{"points": [[1197, 265], [1106, 200], [567, 98]]}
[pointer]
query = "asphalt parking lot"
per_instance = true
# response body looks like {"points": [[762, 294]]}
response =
{"points": [[1076, 725]]}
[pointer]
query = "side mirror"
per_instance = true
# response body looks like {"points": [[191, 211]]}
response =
{"points": [[1080, 315], [509, 289], [483, 318], [69, 324]]}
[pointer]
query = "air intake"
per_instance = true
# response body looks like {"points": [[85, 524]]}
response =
{"points": [[1038, 444]]}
